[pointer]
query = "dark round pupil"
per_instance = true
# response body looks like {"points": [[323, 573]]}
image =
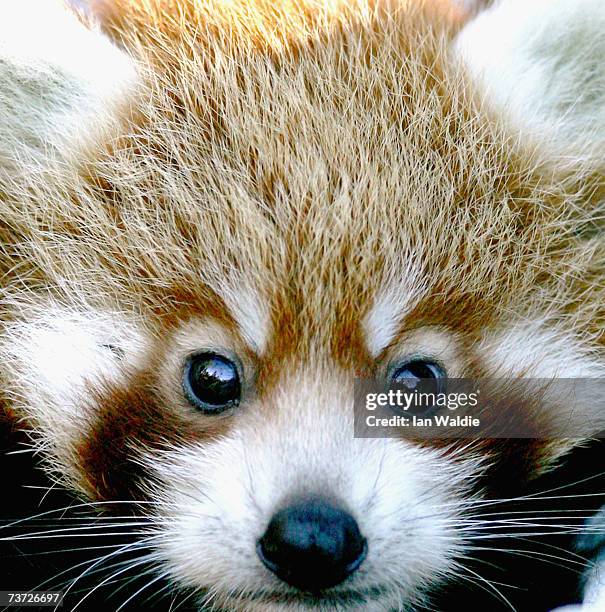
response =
{"points": [[411, 374], [214, 380], [423, 379]]}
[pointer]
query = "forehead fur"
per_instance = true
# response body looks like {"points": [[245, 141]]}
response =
{"points": [[311, 154]]}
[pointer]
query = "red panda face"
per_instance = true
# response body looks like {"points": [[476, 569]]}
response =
{"points": [[221, 466], [264, 220]]}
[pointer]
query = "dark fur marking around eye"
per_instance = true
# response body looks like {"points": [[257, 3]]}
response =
{"points": [[132, 421]]}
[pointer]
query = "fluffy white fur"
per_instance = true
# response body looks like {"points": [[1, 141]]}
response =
{"points": [[59, 79], [396, 297], [250, 312], [541, 64], [537, 349], [54, 354]]}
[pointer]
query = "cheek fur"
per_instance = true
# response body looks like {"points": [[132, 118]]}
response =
{"points": [[130, 422]]}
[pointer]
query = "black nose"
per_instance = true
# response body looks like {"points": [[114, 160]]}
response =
{"points": [[312, 545]]}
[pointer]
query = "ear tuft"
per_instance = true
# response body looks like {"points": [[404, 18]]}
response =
{"points": [[540, 63], [57, 75]]}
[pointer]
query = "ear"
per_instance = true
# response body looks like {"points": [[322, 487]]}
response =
{"points": [[540, 63], [59, 76]]}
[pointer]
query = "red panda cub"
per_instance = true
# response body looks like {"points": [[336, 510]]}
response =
{"points": [[216, 214]]}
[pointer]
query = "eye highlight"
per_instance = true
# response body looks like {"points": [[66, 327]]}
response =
{"points": [[411, 374], [422, 376], [211, 382]]}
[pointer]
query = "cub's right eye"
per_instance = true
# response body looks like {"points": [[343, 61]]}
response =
{"points": [[211, 382]]}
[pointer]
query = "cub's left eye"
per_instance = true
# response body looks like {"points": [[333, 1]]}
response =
{"points": [[211, 382], [420, 375]]}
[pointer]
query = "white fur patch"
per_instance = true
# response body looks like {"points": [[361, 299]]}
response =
{"points": [[393, 300], [250, 312], [537, 350], [541, 64], [52, 356], [43, 34], [57, 75]]}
